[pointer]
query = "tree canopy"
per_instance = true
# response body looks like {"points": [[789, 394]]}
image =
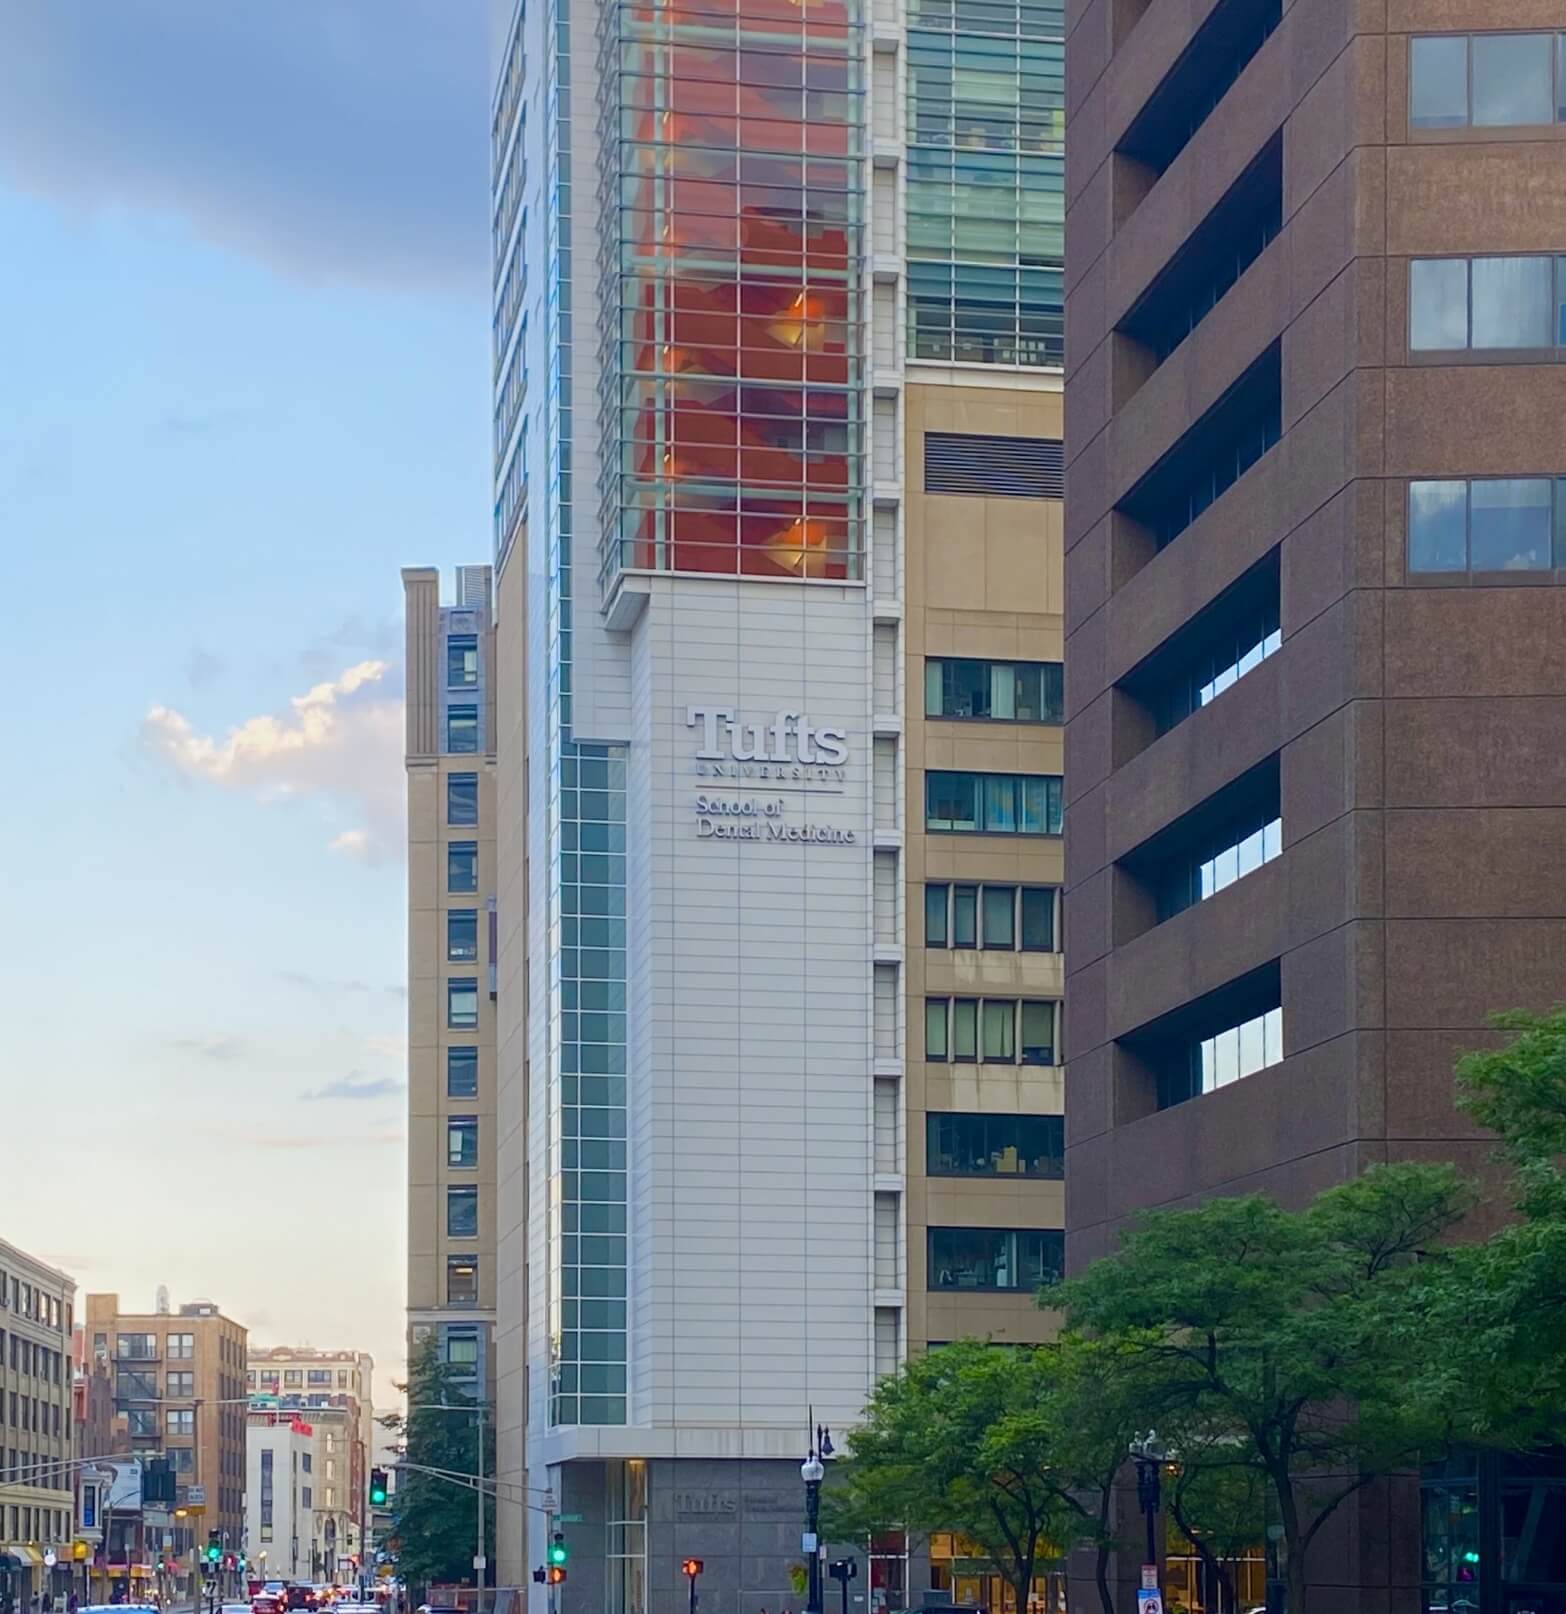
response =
{"points": [[434, 1508], [995, 1443], [1279, 1346]]}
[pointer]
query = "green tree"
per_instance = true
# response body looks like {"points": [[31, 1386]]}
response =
{"points": [[1002, 1445], [1288, 1339], [434, 1508], [1507, 1368]]}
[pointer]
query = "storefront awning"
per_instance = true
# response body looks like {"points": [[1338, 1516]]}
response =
{"points": [[25, 1557]]}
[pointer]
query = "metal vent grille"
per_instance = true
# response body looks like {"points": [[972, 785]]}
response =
{"points": [[994, 467]]}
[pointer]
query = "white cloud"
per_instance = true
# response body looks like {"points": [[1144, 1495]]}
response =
{"points": [[357, 1085], [341, 740]]}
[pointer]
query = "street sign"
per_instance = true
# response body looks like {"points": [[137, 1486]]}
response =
{"points": [[568, 1518], [807, 1542], [1149, 1602], [1149, 1577], [549, 1502], [480, 1562], [196, 1494]]}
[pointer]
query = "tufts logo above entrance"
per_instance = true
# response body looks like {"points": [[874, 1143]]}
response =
{"points": [[788, 748]]}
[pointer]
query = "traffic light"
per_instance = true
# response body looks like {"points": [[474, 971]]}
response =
{"points": [[214, 1546], [377, 1487], [556, 1575], [691, 1567], [844, 1569], [559, 1553]]}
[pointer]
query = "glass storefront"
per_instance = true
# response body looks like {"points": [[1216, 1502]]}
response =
{"points": [[1192, 1585], [956, 1567], [1494, 1534]]}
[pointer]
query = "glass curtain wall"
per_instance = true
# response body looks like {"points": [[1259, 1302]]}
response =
{"points": [[733, 241], [986, 181]]}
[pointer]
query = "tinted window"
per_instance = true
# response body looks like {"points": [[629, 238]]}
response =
{"points": [[1437, 526], [1511, 79], [462, 798], [461, 1072], [1438, 87], [1512, 302], [1509, 525], [1438, 303]]}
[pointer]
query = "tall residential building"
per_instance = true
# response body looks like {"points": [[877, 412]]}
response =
{"points": [[37, 1429], [451, 967], [777, 340], [1315, 516], [179, 1392], [333, 1391]]}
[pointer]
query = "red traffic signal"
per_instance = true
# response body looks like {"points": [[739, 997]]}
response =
{"points": [[691, 1567]]}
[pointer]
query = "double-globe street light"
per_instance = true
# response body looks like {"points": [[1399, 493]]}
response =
{"points": [[812, 1472]]}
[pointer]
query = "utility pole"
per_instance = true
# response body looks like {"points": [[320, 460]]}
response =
{"points": [[480, 1560]]}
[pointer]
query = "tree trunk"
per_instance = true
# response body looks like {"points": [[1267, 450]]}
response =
{"points": [[1101, 1576]]}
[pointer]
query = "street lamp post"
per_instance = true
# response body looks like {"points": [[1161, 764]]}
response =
{"points": [[1148, 1455], [812, 1473]]}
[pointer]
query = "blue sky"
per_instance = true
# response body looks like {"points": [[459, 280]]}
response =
{"points": [[243, 379]]}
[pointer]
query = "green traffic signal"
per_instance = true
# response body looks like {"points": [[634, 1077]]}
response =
{"points": [[214, 1552], [558, 1551], [377, 1487]]}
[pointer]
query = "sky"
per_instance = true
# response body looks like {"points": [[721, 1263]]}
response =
{"points": [[243, 380]]}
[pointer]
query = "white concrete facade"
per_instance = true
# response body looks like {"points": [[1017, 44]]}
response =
{"points": [[279, 1498]]}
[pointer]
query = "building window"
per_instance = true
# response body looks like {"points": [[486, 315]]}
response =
{"points": [[992, 803], [1498, 525], [462, 1073], [461, 660], [179, 1384], [136, 1347], [1001, 691], [293, 1378], [462, 999], [182, 1347], [462, 1212], [1004, 1145], [999, 909], [994, 1258], [462, 1352], [462, 799], [1228, 1055], [462, 1140], [993, 1030], [181, 1421], [1486, 81], [462, 935], [936, 900], [319, 1375], [1486, 303], [985, 193], [462, 730], [462, 867], [1014, 918], [1247, 837], [462, 1280], [936, 1029], [1037, 931]]}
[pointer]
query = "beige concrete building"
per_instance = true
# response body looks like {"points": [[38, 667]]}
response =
{"points": [[179, 1390], [37, 1430], [333, 1392], [982, 636], [451, 967]]}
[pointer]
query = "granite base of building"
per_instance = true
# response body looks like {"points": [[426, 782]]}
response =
{"points": [[744, 1519]]}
